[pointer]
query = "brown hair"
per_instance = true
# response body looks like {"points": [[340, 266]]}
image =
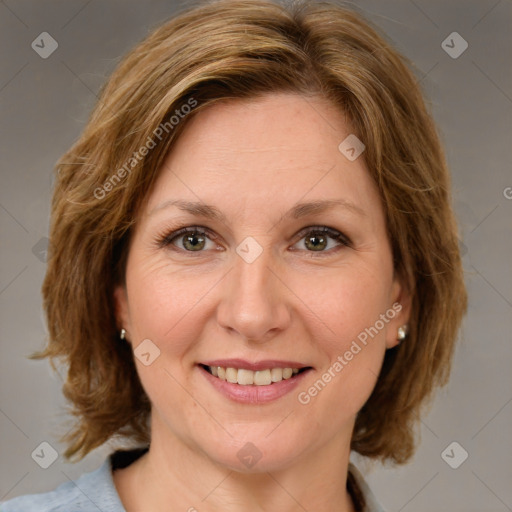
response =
{"points": [[242, 49]]}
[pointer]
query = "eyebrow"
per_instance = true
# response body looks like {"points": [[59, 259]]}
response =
{"points": [[297, 212]]}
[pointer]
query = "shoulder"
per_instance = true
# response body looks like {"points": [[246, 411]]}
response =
{"points": [[59, 500], [91, 492]]}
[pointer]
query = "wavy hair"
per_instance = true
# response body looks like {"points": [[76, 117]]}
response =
{"points": [[213, 52]]}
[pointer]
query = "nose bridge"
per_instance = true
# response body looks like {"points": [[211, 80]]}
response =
{"points": [[254, 275], [254, 301]]}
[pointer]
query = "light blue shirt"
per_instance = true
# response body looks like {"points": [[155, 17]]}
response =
{"points": [[95, 491]]}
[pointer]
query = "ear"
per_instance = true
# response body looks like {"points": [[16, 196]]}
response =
{"points": [[122, 311], [400, 303]]}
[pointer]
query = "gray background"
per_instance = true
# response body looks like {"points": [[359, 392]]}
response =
{"points": [[44, 105]]}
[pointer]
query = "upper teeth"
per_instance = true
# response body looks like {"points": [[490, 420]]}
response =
{"points": [[258, 378]]}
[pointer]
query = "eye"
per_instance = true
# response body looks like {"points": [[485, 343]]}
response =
{"points": [[316, 239], [195, 239]]}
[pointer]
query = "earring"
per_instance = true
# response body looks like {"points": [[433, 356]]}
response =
{"points": [[122, 334], [402, 332]]}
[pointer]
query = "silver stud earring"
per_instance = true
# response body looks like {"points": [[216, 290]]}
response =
{"points": [[402, 332], [122, 335]]}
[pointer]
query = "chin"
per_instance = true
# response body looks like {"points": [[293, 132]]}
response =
{"points": [[259, 452]]}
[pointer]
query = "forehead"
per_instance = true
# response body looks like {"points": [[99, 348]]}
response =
{"points": [[268, 152]]}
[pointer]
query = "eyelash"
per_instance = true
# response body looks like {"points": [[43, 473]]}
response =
{"points": [[165, 240]]}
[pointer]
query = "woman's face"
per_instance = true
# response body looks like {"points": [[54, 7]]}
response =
{"points": [[259, 286]]}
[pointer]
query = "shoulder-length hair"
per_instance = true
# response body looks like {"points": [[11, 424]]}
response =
{"points": [[243, 49]]}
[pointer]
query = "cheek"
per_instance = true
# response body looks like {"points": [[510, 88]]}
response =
{"points": [[349, 302], [354, 318], [164, 303]]}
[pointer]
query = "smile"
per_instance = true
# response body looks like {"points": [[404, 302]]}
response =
{"points": [[253, 383], [246, 377]]}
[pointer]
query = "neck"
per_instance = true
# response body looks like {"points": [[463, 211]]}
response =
{"points": [[175, 476]]}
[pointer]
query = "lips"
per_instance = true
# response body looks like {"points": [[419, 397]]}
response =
{"points": [[253, 382], [245, 377], [266, 364]]}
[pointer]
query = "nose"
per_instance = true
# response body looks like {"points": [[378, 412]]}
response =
{"points": [[255, 302]]}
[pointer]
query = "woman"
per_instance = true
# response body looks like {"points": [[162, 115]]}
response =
{"points": [[254, 267]]}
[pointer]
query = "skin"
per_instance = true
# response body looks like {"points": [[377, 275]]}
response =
{"points": [[254, 160]]}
